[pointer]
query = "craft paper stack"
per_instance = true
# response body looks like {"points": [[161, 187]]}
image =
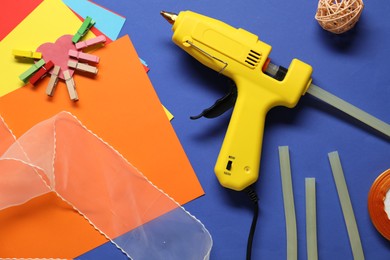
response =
{"points": [[119, 105]]}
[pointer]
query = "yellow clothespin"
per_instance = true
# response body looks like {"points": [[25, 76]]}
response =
{"points": [[26, 54]]}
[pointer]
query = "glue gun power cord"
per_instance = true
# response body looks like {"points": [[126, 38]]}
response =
{"points": [[255, 200]]}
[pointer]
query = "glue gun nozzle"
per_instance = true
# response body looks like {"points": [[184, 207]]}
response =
{"points": [[170, 17]]}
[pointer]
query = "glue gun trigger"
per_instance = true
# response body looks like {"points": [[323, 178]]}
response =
{"points": [[220, 106]]}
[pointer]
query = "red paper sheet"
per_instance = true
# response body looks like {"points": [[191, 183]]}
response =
{"points": [[13, 12]]}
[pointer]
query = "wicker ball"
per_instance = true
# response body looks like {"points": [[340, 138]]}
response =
{"points": [[338, 16]]}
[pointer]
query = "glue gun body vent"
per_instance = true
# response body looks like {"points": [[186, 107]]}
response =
{"points": [[253, 58]]}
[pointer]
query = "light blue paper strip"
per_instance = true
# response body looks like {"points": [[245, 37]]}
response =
{"points": [[143, 62], [107, 22]]}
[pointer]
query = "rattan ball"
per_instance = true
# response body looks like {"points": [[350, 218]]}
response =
{"points": [[338, 16]]}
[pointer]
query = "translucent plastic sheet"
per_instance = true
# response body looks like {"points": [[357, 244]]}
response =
{"points": [[60, 155]]}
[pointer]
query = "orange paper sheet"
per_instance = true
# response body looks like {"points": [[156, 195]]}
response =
{"points": [[6, 137], [46, 227], [120, 106]]}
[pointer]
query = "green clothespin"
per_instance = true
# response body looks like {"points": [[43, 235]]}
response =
{"points": [[84, 28], [28, 73]]}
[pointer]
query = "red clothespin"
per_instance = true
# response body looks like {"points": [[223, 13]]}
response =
{"points": [[83, 56], [90, 42], [42, 72]]}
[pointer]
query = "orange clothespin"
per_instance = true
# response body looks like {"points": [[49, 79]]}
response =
{"points": [[70, 86], [42, 72], [82, 66], [53, 81], [83, 56]]}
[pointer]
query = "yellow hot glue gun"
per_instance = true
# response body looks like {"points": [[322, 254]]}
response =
{"points": [[241, 56]]}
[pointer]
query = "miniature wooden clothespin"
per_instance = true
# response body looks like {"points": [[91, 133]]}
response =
{"points": [[27, 54], [90, 42], [82, 66], [83, 56], [28, 73], [53, 81], [84, 28], [42, 72], [70, 86]]}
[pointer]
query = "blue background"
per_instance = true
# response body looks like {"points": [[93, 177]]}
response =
{"points": [[353, 66]]}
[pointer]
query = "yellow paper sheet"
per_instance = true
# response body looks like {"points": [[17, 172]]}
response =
{"points": [[50, 20], [169, 114]]}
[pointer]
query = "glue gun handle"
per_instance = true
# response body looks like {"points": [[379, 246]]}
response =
{"points": [[238, 162]]}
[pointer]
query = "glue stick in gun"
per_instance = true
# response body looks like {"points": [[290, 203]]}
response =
{"points": [[261, 85]]}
